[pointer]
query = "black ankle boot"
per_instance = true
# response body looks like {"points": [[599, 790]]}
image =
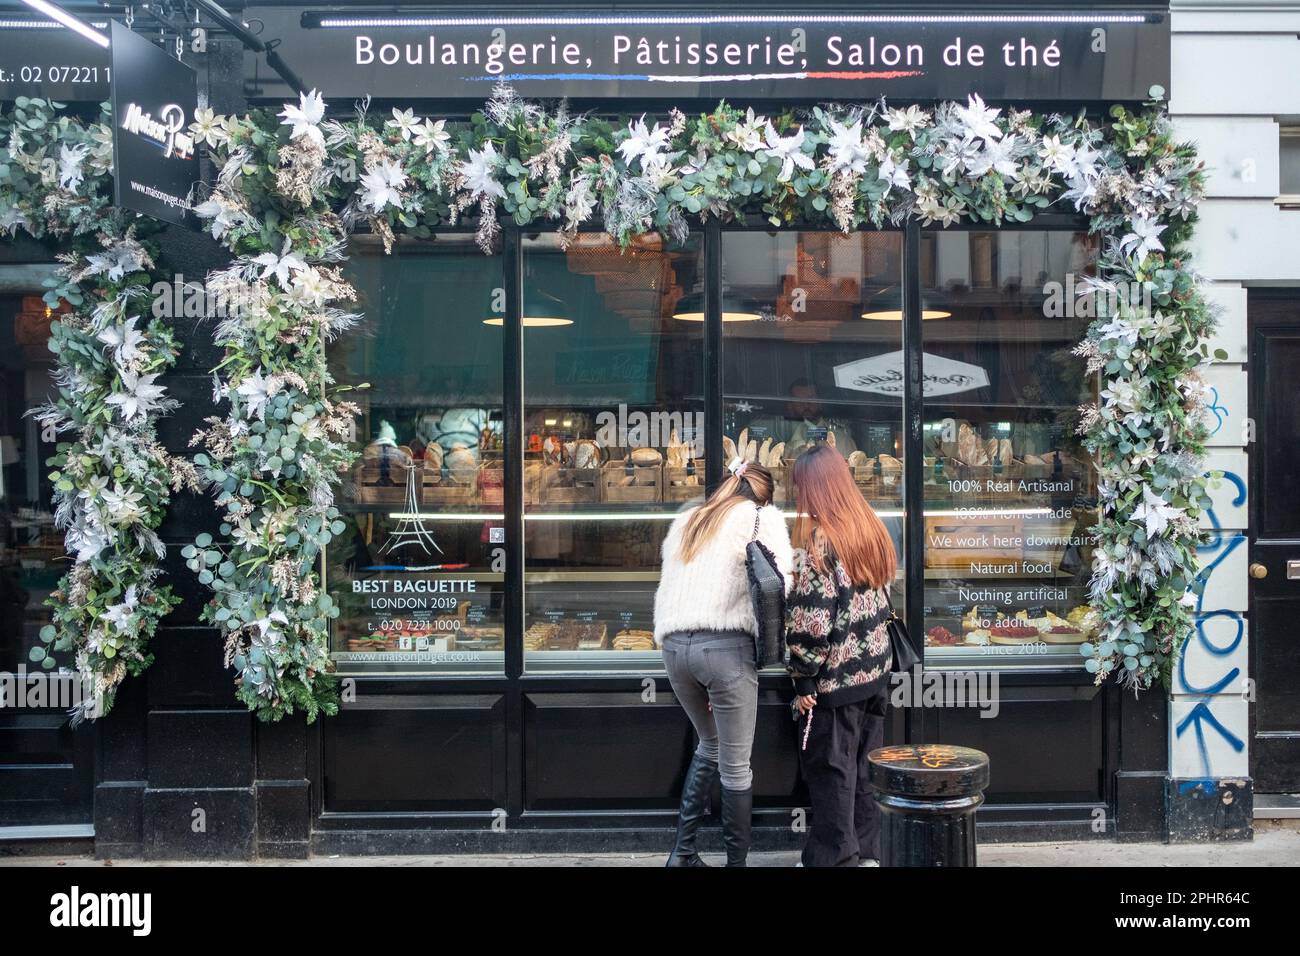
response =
{"points": [[737, 812], [695, 807]]}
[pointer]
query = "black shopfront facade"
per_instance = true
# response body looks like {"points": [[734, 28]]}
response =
{"points": [[506, 511]]}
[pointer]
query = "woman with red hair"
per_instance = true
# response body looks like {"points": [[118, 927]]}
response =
{"points": [[838, 608]]}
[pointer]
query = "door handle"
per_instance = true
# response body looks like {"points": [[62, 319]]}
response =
{"points": [[1258, 571]]}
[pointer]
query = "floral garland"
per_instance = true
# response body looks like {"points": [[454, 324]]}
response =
{"points": [[112, 479], [273, 460], [291, 191]]}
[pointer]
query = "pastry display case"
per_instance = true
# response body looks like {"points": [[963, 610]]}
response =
{"points": [[1010, 495], [614, 427], [418, 575]]}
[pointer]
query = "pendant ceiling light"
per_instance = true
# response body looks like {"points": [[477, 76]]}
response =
{"points": [[887, 306], [691, 309], [541, 310]]}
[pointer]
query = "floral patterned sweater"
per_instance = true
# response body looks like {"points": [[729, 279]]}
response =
{"points": [[836, 634]]}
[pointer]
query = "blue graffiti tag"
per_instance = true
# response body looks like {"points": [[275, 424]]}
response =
{"points": [[1201, 713], [1220, 411]]}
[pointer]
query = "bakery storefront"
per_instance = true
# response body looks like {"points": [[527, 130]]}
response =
{"points": [[536, 414], [496, 612]]}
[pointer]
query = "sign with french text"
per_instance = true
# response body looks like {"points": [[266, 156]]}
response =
{"points": [[1023, 56]]}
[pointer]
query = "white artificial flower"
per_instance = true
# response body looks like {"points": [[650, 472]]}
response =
{"points": [[789, 150], [308, 289], [122, 258], [1144, 238], [978, 120], [382, 186], [139, 395], [124, 340], [268, 633], [1082, 164], [1155, 513], [895, 174], [123, 506], [70, 160], [432, 137], [748, 134], [12, 219], [405, 122], [909, 120], [257, 390], [847, 151], [119, 615], [996, 156], [1121, 330], [282, 266], [208, 128], [222, 215], [1055, 154], [86, 540], [644, 144], [479, 171], [305, 117]]}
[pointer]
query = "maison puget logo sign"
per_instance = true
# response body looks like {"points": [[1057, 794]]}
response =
{"points": [[1060, 56], [167, 132], [154, 165]]}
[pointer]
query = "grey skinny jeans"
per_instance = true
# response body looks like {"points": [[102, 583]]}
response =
{"points": [[717, 667]]}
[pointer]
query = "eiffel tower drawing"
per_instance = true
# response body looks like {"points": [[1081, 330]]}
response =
{"points": [[411, 530]]}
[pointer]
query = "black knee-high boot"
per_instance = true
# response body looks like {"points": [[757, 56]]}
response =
{"points": [[695, 807], [737, 814]]}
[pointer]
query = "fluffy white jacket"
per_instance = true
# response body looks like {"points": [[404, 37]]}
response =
{"points": [[712, 591]]}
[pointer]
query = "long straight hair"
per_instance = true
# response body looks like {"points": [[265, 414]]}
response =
{"points": [[754, 485], [833, 512]]}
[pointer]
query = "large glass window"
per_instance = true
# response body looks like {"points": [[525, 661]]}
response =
{"points": [[812, 352], [614, 432], [419, 573], [614, 438], [31, 548], [1010, 494]]}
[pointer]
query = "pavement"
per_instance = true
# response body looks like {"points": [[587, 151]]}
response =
{"points": [[1276, 843]]}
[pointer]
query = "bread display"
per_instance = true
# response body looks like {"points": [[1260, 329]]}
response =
{"points": [[645, 456]]}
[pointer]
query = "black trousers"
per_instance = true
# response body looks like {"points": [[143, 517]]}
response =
{"points": [[845, 825]]}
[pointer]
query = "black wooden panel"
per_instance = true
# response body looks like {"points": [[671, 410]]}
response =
{"points": [[612, 750], [415, 753], [45, 770], [604, 751], [1045, 745]]}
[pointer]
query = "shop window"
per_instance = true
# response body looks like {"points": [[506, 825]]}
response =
{"points": [[419, 574], [31, 548], [1010, 494], [614, 432], [812, 352]]}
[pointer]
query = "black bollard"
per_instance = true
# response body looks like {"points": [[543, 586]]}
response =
{"points": [[928, 795]]}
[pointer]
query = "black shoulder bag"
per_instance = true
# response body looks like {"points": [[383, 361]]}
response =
{"points": [[904, 654], [767, 592]]}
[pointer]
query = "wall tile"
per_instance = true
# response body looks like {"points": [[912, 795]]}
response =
{"points": [[1208, 738]]}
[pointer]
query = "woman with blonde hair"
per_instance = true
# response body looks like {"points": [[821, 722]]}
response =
{"points": [[704, 622], [839, 654]]}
